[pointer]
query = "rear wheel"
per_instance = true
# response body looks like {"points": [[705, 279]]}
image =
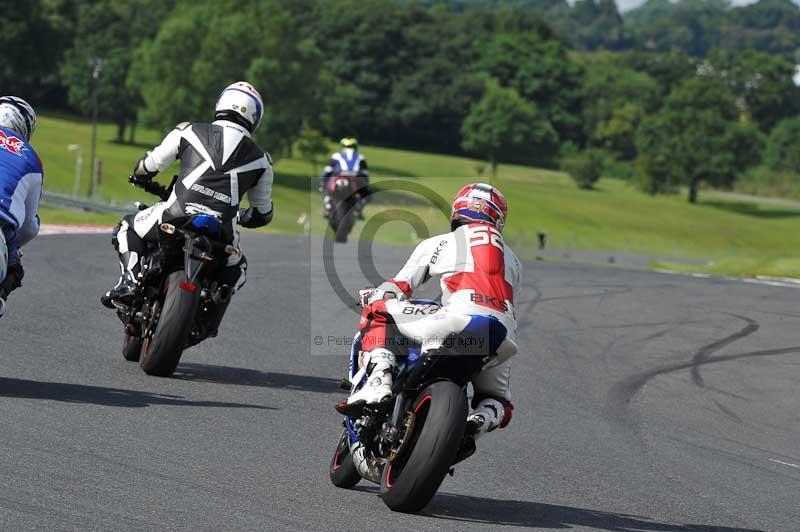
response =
{"points": [[162, 351], [131, 348], [343, 471], [410, 480]]}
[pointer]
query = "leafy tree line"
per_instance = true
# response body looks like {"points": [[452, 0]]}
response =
{"points": [[692, 26], [499, 83]]}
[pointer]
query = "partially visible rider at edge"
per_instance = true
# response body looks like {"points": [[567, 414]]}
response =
{"points": [[21, 177], [479, 275], [219, 163], [348, 161]]}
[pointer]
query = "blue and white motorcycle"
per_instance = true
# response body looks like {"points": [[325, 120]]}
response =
{"points": [[409, 444]]}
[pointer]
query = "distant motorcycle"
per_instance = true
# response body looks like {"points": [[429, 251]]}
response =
{"points": [[341, 204], [409, 444], [179, 297]]}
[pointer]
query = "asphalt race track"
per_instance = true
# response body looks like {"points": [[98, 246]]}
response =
{"points": [[644, 402]]}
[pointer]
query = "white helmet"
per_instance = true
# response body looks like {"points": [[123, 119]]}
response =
{"points": [[17, 115], [241, 103]]}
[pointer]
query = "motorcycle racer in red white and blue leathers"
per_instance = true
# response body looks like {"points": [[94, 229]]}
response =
{"points": [[479, 276], [21, 177]]}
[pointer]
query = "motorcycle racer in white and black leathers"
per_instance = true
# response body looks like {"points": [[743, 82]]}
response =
{"points": [[479, 275], [219, 163]]}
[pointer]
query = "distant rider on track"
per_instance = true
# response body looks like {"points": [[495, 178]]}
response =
{"points": [[479, 276], [347, 161], [219, 164], [21, 176]]}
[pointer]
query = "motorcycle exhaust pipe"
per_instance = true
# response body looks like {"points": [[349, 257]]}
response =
{"points": [[222, 295]]}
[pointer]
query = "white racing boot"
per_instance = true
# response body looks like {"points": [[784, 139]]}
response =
{"points": [[379, 365]]}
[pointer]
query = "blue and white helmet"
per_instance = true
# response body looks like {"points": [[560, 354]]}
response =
{"points": [[242, 103], [17, 115]]}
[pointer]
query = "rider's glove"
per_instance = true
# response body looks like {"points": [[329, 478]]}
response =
{"points": [[367, 296], [13, 279], [364, 295], [252, 217], [140, 180]]}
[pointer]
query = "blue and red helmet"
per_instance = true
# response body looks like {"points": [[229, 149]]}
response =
{"points": [[479, 203]]}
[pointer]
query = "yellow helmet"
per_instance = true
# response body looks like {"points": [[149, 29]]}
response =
{"points": [[349, 142]]}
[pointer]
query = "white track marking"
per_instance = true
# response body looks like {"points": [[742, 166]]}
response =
{"points": [[785, 463], [51, 229], [762, 280]]}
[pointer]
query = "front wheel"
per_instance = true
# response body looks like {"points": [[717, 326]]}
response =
{"points": [[343, 471], [410, 480], [131, 348], [162, 351]]}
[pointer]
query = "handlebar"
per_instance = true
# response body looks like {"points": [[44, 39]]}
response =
{"points": [[153, 187]]}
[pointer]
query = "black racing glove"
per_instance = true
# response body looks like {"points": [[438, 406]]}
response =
{"points": [[252, 218], [140, 180], [13, 280]]}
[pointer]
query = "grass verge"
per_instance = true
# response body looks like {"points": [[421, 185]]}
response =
{"points": [[615, 217]]}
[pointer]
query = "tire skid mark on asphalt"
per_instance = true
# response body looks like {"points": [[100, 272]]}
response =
{"points": [[527, 314], [602, 295], [621, 393], [706, 351], [728, 412]]}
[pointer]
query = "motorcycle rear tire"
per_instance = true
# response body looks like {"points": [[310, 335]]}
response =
{"points": [[343, 471], [162, 352], [441, 411]]}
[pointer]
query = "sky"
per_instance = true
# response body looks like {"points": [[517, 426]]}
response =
{"points": [[625, 5]]}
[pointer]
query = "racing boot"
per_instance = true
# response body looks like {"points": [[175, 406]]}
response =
{"points": [[379, 364], [124, 291], [2, 307], [487, 416]]}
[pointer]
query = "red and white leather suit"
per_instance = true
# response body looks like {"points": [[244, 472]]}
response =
{"points": [[479, 275]]}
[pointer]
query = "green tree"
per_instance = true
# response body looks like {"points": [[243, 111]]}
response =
{"points": [[696, 138], [201, 49], [429, 103], [34, 37], [692, 26], [616, 99], [668, 69], [502, 126], [542, 72], [761, 82], [365, 47], [584, 168], [783, 148], [312, 146], [771, 26], [107, 31]]}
